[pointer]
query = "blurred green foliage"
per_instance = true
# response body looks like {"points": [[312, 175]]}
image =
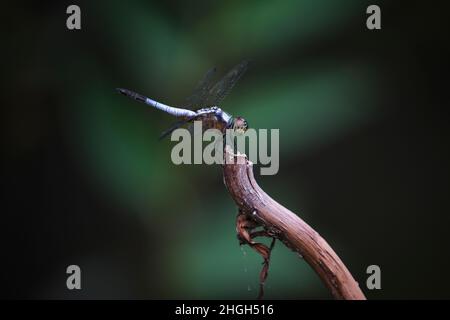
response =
{"points": [[161, 51], [316, 75]]}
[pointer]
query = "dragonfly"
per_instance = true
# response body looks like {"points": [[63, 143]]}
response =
{"points": [[203, 104]]}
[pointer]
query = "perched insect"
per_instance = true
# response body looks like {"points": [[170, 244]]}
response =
{"points": [[205, 100]]}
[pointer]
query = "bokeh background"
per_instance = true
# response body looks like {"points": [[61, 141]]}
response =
{"points": [[363, 146]]}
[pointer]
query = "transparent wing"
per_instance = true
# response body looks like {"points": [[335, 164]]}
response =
{"points": [[197, 99], [220, 90], [175, 126]]}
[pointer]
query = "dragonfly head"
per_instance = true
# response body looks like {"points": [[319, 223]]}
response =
{"points": [[240, 125]]}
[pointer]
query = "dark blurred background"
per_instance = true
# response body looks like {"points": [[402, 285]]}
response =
{"points": [[363, 146]]}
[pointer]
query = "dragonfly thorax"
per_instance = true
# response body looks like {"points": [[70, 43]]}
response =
{"points": [[238, 124], [220, 115]]}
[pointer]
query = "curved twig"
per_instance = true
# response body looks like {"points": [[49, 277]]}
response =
{"points": [[256, 208]]}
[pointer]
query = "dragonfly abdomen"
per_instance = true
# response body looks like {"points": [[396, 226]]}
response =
{"points": [[177, 112], [132, 94]]}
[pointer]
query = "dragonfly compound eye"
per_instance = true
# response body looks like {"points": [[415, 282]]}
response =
{"points": [[240, 125]]}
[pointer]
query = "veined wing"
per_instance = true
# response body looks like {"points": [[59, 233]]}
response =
{"points": [[197, 99], [220, 90], [174, 126]]}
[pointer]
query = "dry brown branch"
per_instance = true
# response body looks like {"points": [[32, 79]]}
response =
{"points": [[257, 209]]}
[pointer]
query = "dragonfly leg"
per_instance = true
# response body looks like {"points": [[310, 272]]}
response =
{"points": [[245, 228]]}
